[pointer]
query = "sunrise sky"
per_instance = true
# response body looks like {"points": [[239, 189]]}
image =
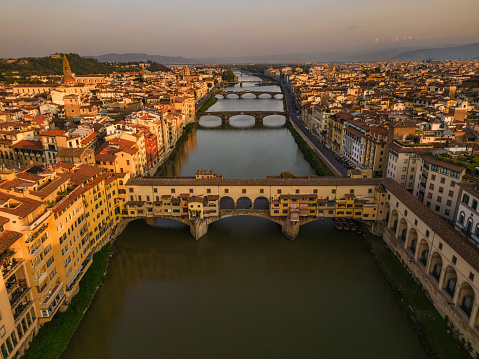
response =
{"points": [[210, 28]]}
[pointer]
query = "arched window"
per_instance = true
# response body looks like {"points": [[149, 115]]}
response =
{"points": [[461, 218], [476, 232], [469, 225]]}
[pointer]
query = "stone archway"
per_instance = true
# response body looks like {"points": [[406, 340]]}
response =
{"points": [[411, 243], [466, 299], [394, 220], [261, 203], [244, 203], [450, 281], [227, 203], [436, 266], [423, 252], [402, 230]]}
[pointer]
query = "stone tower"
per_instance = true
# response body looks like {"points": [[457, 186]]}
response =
{"points": [[67, 71]]}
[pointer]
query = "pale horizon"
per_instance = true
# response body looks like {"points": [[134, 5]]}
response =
{"points": [[216, 28]]}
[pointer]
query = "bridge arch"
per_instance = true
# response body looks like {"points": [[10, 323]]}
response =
{"points": [[210, 121], [274, 120], [402, 230], [244, 203], [278, 96], [249, 95], [261, 203], [232, 96], [466, 299], [227, 202], [436, 266], [265, 96], [423, 252], [450, 281], [242, 121]]}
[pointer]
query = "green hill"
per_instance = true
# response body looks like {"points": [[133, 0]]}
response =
{"points": [[46, 66]]}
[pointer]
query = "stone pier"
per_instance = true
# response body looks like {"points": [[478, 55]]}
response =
{"points": [[198, 228]]}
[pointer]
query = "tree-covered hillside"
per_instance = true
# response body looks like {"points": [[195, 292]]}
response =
{"points": [[20, 70]]}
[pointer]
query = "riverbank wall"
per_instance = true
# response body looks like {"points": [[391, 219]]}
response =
{"points": [[441, 335]]}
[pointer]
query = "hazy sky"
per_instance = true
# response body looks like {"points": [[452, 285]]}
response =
{"points": [[204, 28]]}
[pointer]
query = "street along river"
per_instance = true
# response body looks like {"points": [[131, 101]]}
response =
{"points": [[243, 290]]}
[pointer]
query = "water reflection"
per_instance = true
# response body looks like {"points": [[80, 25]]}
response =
{"points": [[242, 121], [210, 121]]}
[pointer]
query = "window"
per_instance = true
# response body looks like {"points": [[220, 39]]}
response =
{"points": [[243, 190], [439, 199], [227, 190], [454, 260], [404, 169], [191, 190], [405, 161], [451, 193], [52, 274], [441, 189], [130, 190], [261, 190], [471, 276], [465, 198], [443, 180], [440, 246], [333, 191], [315, 191], [447, 212], [433, 177], [173, 190], [297, 191], [461, 218], [474, 204], [279, 191], [427, 233], [448, 203], [438, 208], [2, 331], [155, 190], [208, 190]]}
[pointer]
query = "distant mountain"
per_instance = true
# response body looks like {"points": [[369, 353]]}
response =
{"points": [[140, 57], [466, 52], [393, 54]]}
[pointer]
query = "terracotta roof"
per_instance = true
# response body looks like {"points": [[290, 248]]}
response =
{"points": [[28, 145], [7, 238], [53, 133]]}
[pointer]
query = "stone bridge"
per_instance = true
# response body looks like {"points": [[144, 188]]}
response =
{"points": [[199, 227], [258, 115], [258, 82], [257, 94]]}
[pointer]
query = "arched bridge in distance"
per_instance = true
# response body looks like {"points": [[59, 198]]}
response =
{"points": [[226, 115], [256, 94]]}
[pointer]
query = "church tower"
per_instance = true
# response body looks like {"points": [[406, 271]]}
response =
{"points": [[67, 71]]}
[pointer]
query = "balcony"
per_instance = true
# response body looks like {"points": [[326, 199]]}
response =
{"points": [[36, 251], [47, 299], [36, 223], [10, 268], [19, 293], [21, 309], [31, 237], [78, 274]]}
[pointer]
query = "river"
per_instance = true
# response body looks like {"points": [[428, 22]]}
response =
{"points": [[243, 290]]}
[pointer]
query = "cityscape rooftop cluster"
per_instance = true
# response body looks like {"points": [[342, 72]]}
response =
{"points": [[73, 153]]}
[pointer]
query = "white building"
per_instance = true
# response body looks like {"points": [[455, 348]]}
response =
{"points": [[467, 214]]}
